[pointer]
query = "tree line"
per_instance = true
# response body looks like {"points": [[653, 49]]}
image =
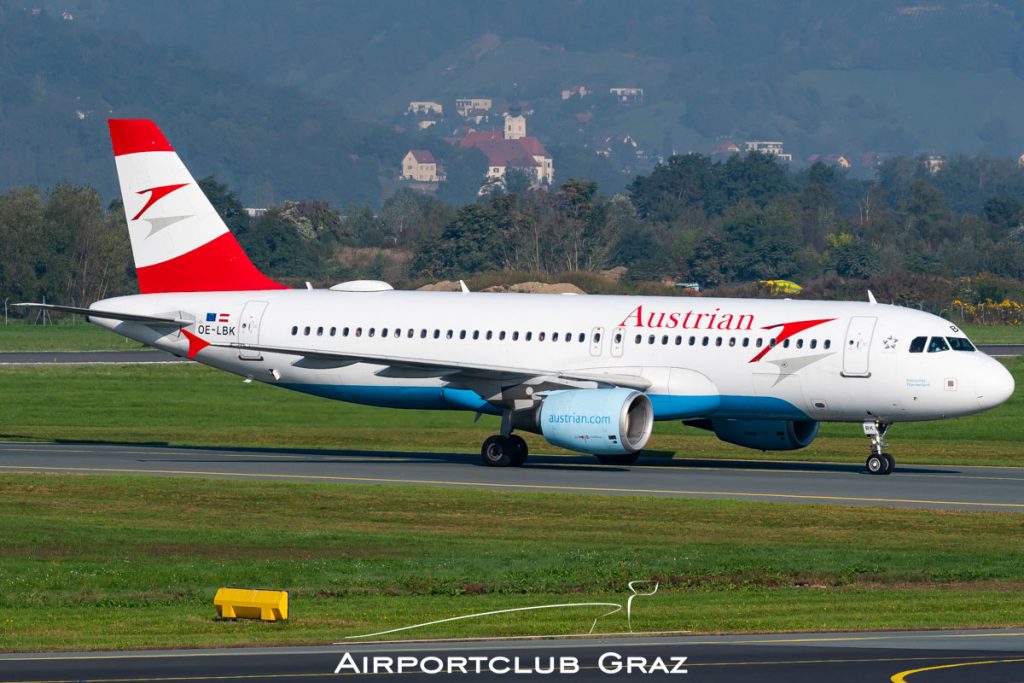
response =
{"points": [[911, 234]]}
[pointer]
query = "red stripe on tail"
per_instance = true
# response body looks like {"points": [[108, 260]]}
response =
{"points": [[218, 266], [136, 135]]}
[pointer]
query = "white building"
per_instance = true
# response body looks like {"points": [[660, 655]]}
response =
{"points": [[426, 108], [773, 147], [419, 165], [467, 105], [628, 95]]}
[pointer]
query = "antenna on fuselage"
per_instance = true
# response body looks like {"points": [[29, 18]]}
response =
{"points": [[462, 284], [871, 298]]}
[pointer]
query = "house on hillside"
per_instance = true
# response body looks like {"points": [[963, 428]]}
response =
{"points": [[627, 95], [473, 106], [420, 166], [426, 108], [934, 162], [772, 147], [512, 148], [579, 91]]}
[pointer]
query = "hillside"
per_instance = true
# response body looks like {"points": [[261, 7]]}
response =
{"points": [[60, 80], [828, 77]]}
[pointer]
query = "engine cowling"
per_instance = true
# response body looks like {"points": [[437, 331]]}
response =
{"points": [[766, 435], [597, 421]]}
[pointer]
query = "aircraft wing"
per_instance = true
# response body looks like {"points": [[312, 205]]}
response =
{"points": [[499, 373], [109, 315]]}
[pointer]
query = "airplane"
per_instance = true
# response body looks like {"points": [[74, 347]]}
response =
{"points": [[589, 373]]}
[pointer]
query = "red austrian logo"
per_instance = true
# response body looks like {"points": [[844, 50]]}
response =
{"points": [[715, 320], [155, 195]]}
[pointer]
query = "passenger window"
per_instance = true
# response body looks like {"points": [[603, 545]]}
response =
{"points": [[489, 335], [554, 337], [476, 334], [319, 331], [305, 331], [529, 336], [785, 344], [937, 344], [638, 339], [771, 342], [437, 334], [423, 333], [704, 342], [746, 342], [334, 331], [410, 333], [679, 340], [540, 336], [664, 340], [693, 340], [462, 334], [344, 332], [370, 334], [732, 341], [828, 343], [383, 332], [597, 337], [515, 336], [960, 343], [583, 337], [917, 346], [295, 330], [718, 341], [501, 336], [799, 343], [449, 334], [650, 339], [757, 343], [814, 343]]}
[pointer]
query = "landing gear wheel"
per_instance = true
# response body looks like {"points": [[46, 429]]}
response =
{"points": [[618, 459], [876, 464], [890, 463], [522, 451], [498, 451]]}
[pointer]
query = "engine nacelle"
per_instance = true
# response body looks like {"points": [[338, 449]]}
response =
{"points": [[766, 435], [597, 421]]}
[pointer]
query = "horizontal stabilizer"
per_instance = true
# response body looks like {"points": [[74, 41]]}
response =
{"points": [[109, 315]]}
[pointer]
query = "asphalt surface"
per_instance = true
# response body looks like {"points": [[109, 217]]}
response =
{"points": [[914, 657], [962, 488]]}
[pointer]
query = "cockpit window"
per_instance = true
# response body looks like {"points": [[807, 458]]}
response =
{"points": [[917, 346], [960, 343], [937, 344]]}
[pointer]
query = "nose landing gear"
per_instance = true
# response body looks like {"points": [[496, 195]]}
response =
{"points": [[878, 462]]}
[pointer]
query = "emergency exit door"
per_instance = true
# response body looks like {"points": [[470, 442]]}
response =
{"points": [[857, 349], [249, 329]]}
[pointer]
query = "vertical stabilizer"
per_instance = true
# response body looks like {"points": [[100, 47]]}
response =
{"points": [[179, 242]]}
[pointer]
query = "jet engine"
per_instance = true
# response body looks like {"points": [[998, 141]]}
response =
{"points": [[766, 435], [597, 421]]}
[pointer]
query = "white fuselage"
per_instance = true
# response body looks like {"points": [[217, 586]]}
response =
{"points": [[703, 357]]}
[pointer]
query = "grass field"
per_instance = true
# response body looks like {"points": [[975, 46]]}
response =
{"points": [[65, 335], [121, 562], [194, 405]]}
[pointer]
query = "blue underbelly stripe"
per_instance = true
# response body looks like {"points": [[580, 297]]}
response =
{"points": [[666, 407]]}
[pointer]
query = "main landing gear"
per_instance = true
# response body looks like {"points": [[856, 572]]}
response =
{"points": [[878, 462], [504, 451]]}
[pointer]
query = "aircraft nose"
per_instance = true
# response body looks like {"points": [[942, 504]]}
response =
{"points": [[995, 384]]}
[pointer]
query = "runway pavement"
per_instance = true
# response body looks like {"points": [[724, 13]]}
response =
{"points": [[962, 488], [902, 657]]}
